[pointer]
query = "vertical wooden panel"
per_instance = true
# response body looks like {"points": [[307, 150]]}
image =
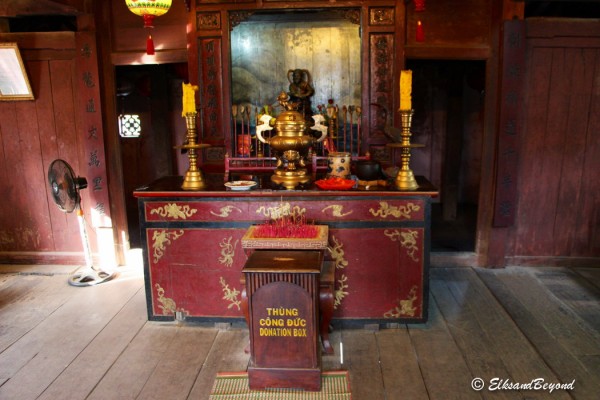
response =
{"points": [[65, 227], [576, 110], [11, 163], [89, 132], [586, 236], [211, 89], [48, 134], [513, 65], [29, 177], [380, 90], [559, 185], [530, 170]]}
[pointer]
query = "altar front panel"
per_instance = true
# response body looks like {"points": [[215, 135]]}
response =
{"points": [[379, 244]]}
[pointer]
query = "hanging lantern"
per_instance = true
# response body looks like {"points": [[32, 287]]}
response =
{"points": [[148, 9]]}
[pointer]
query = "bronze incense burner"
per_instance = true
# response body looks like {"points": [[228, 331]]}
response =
{"points": [[291, 144]]}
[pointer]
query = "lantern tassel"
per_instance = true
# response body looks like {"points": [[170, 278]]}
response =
{"points": [[149, 45], [420, 34]]}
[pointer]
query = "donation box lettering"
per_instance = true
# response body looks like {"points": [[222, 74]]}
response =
{"points": [[283, 330]]}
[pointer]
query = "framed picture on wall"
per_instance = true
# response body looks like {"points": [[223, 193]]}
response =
{"points": [[14, 84]]}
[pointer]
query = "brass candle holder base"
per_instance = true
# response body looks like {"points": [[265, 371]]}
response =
{"points": [[193, 179], [405, 180]]}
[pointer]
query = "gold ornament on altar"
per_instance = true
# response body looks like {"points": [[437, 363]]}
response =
{"points": [[405, 180], [193, 179], [291, 144]]}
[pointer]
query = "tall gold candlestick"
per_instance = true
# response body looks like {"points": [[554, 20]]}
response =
{"points": [[193, 179], [405, 180]]}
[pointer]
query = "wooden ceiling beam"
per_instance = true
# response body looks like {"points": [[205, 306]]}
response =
{"points": [[22, 8]]}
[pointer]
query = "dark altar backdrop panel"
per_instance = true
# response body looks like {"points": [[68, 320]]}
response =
{"points": [[559, 185], [262, 54]]}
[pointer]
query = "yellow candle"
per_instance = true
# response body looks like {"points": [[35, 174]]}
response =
{"points": [[189, 98], [405, 90]]}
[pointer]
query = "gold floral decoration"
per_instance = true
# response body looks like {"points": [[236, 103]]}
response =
{"points": [[227, 251], [231, 295], [386, 210], [337, 253], [337, 210], [225, 211], [167, 305], [408, 240], [161, 239], [175, 211], [340, 292], [283, 210], [405, 307]]}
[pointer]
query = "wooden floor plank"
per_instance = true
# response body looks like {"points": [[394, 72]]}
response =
{"points": [[400, 366], [128, 375], [177, 370], [226, 355], [523, 361], [21, 316], [469, 335], [591, 274], [562, 356], [60, 344], [361, 357], [84, 373], [41, 355], [573, 290], [6, 280], [443, 367], [550, 312], [15, 287]]}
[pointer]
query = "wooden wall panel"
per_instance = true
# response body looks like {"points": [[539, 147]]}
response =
{"points": [[572, 188], [35, 133], [559, 185]]}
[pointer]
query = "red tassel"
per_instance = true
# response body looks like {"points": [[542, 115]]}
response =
{"points": [[419, 5], [149, 45], [420, 36]]}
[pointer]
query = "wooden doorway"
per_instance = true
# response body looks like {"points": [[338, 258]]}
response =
{"points": [[153, 94], [448, 98]]}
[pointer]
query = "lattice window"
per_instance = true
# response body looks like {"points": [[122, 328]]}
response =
{"points": [[130, 125]]}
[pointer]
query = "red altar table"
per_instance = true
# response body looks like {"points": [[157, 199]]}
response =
{"points": [[378, 242]]}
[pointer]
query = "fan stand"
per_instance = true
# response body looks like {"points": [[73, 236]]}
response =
{"points": [[89, 274]]}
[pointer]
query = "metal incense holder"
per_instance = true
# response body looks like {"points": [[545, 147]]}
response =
{"points": [[291, 143], [405, 180], [193, 179]]}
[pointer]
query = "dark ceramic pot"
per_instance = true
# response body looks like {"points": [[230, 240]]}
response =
{"points": [[367, 170]]}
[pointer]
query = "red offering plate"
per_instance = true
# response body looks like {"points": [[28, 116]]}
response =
{"points": [[335, 183]]}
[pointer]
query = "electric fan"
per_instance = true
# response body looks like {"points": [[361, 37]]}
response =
{"points": [[65, 186]]}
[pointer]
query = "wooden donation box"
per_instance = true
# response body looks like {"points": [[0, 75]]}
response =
{"points": [[283, 304]]}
